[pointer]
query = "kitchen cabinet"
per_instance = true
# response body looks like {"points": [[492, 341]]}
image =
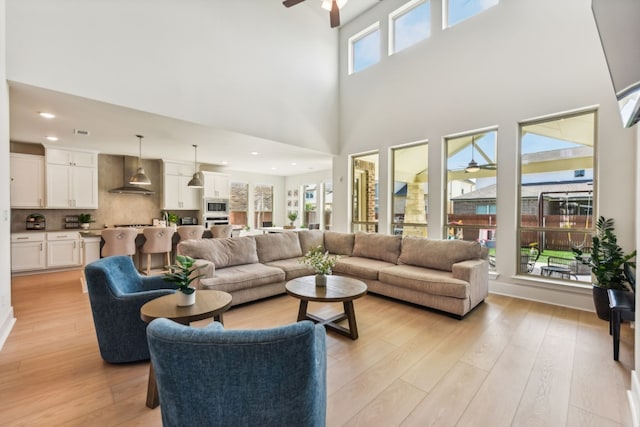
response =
{"points": [[27, 181], [91, 249], [28, 251], [216, 185], [63, 249], [72, 179], [176, 194]]}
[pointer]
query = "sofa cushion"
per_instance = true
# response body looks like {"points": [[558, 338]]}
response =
{"points": [[310, 239], [435, 282], [377, 246], [338, 243], [240, 277], [438, 254], [364, 268], [222, 252], [275, 246], [292, 268]]}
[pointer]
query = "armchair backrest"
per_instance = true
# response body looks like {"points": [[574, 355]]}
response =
{"points": [[212, 376], [116, 275]]}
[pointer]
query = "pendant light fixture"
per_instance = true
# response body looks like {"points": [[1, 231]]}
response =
{"points": [[140, 178], [196, 181], [473, 165]]}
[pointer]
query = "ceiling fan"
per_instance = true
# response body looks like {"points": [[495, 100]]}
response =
{"points": [[333, 6], [473, 166]]}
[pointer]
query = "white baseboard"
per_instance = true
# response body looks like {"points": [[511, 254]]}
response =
{"points": [[578, 297], [634, 399], [6, 325]]}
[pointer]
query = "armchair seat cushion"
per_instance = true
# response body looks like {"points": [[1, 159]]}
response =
{"points": [[240, 277]]}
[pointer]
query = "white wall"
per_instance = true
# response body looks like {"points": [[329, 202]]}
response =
{"points": [[516, 61], [6, 311], [250, 66]]}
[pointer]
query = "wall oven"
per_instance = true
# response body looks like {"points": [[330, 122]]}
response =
{"points": [[216, 207], [208, 221]]}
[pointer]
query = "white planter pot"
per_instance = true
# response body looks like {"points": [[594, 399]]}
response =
{"points": [[84, 225], [321, 280], [186, 299]]}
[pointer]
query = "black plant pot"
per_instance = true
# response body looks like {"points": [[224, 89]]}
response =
{"points": [[601, 301]]}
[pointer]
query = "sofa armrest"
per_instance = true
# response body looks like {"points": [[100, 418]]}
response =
{"points": [[208, 270], [476, 273]]}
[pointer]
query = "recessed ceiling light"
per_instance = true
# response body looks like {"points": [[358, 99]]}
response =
{"points": [[224, 162], [47, 115], [293, 164], [273, 169], [52, 138], [254, 153]]}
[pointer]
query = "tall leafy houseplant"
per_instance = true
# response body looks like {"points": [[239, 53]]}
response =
{"points": [[606, 261], [182, 274]]}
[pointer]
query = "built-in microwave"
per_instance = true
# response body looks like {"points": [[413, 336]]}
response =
{"points": [[216, 207]]}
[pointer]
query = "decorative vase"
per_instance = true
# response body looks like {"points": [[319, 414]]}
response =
{"points": [[186, 299], [321, 280]]}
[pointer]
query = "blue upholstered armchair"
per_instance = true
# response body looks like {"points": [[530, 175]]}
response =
{"points": [[116, 292], [215, 377]]}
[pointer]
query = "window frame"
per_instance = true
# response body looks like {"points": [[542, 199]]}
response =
{"points": [[399, 12], [401, 224], [520, 229], [356, 38]]}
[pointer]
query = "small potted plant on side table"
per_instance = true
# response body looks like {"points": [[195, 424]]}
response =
{"points": [[293, 215], [182, 273], [606, 261], [321, 262]]}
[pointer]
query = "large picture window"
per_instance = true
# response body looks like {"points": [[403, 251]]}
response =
{"points": [[364, 193], [556, 203], [471, 192], [263, 205], [239, 204], [410, 190]]}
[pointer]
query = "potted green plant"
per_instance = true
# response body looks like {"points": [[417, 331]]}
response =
{"points": [[606, 262], [321, 262], [293, 215], [85, 219], [183, 273]]}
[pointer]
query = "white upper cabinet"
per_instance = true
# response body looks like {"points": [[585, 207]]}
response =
{"points": [[72, 179], [27, 181], [216, 186], [176, 194]]}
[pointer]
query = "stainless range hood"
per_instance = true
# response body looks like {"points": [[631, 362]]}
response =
{"points": [[129, 165]]}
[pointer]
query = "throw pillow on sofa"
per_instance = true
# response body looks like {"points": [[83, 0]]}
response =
{"points": [[377, 246], [437, 254]]}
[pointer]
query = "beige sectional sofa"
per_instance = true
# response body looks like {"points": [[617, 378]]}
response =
{"points": [[447, 275]]}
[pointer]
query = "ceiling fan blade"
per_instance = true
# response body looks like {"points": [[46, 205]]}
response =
{"points": [[289, 3], [489, 166], [334, 15]]}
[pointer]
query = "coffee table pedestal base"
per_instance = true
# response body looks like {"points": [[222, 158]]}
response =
{"points": [[332, 322]]}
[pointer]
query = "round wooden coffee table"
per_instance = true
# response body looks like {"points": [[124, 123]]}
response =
{"points": [[338, 289], [208, 304]]}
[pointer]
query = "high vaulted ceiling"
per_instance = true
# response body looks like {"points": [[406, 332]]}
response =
{"points": [[112, 128]]}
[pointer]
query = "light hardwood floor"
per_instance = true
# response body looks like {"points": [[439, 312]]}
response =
{"points": [[509, 362]]}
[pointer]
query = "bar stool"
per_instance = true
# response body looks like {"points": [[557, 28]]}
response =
{"points": [[158, 241], [187, 232], [119, 241], [221, 231]]}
